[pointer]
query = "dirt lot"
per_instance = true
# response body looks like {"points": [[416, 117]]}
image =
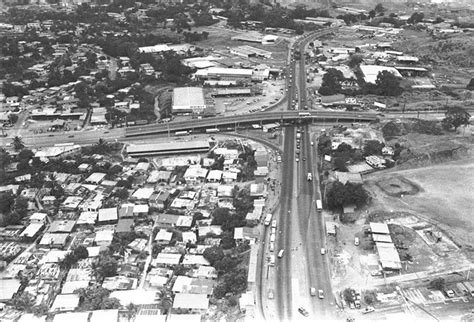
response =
{"points": [[445, 198]]}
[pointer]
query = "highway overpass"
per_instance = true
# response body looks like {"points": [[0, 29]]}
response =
{"points": [[254, 118]]}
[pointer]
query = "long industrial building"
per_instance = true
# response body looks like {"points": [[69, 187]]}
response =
{"points": [[139, 150], [188, 100]]}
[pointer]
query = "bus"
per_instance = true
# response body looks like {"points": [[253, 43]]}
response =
{"points": [[268, 219], [319, 205], [181, 133], [208, 131], [304, 114], [309, 176]]}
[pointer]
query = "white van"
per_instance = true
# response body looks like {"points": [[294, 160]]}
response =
{"points": [[272, 260], [272, 246], [280, 253]]}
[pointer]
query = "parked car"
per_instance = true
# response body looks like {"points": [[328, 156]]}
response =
{"points": [[321, 294], [356, 241], [303, 311], [312, 291], [450, 293], [368, 309]]}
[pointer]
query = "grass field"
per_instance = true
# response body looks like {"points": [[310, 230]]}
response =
{"points": [[446, 197]]}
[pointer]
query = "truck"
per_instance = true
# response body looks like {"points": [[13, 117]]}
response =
{"points": [[268, 219], [298, 135], [272, 260], [274, 223], [208, 131], [319, 205], [309, 176]]}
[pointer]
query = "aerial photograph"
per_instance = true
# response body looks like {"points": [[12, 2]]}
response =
{"points": [[236, 160]]}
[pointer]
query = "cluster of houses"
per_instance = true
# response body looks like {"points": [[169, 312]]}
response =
{"points": [[165, 198]]}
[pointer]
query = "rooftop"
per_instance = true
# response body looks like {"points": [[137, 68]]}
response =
{"points": [[188, 96]]}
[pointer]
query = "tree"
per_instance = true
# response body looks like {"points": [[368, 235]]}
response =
{"points": [[379, 8], [331, 82], [24, 302], [18, 143], [355, 61], [373, 147], [347, 294], [96, 298], [388, 84], [12, 118], [438, 284], [132, 310], [80, 252], [166, 302], [416, 18], [340, 195], [106, 266], [455, 116], [213, 254], [5, 159], [220, 215]]}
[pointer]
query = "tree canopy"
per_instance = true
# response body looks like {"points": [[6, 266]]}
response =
{"points": [[340, 195], [455, 116], [388, 84], [331, 82]]}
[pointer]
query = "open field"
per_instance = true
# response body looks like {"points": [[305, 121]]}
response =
{"points": [[445, 198]]}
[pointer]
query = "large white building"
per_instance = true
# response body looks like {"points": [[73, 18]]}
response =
{"points": [[188, 100]]}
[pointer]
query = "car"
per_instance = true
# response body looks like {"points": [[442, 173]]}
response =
{"points": [[280, 253], [304, 159], [356, 241], [70, 136], [368, 309], [450, 293], [320, 294], [312, 291], [303, 311], [271, 295], [312, 142], [272, 246], [323, 251], [297, 159]]}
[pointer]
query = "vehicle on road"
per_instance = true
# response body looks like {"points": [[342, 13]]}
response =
{"points": [[304, 159], [272, 260], [274, 231], [356, 241], [303, 311], [274, 223], [280, 253], [268, 219], [272, 246], [312, 142], [368, 309], [70, 136], [272, 237], [271, 295], [309, 176], [297, 159], [323, 251], [319, 205], [312, 291], [320, 294]]}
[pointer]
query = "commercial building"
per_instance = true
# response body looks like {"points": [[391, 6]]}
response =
{"points": [[220, 73], [139, 150], [188, 100]]}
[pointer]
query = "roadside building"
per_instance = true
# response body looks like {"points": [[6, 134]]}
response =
{"points": [[194, 146], [195, 174], [188, 100], [8, 288], [65, 302], [56, 240]]}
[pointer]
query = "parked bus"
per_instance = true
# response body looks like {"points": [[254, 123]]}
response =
{"points": [[208, 131], [181, 133], [268, 219], [319, 205]]}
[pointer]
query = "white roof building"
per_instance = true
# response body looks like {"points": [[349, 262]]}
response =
{"points": [[107, 214], [191, 301], [65, 302], [143, 193], [95, 178], [372, 71], [188, 100], [163, 236]]}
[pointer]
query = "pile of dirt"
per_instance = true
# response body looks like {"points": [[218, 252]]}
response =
{"points": [[397, 186]]}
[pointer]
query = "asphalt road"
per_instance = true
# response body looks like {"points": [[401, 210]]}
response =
{"points": [[301, 228]]}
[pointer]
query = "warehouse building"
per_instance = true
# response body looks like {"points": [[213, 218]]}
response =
{"points": [[188, 100]]}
